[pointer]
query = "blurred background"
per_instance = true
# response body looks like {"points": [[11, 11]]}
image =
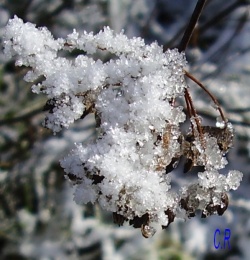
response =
{"points": [[38, 217]]}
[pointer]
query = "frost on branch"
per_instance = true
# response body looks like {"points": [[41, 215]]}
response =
{"points": [[138, 124]]}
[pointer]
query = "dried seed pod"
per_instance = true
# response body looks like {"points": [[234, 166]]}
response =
{"points": [[171, 217], [224, 139], [147, 231], [189, 209], [56, 102], [165, 140], [189, 163], [73, 178], [209, 210], [97, 178], [118, 219], [225, 201], [213, 209], [224, 136], [137, 222], [173, 164]]}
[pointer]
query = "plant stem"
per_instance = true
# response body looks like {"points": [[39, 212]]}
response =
{"points": [[191, 25], [209, 93]]}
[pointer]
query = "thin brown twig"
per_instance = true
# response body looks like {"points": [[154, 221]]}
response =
{"points": [[192, 113], [189, 111], [182, 47], [209, 93]]}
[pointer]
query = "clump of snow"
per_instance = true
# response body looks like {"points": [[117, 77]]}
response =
{"points": [[137, 121]]}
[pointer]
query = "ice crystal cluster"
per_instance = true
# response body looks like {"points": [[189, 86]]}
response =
{"points": [[137, 121]]}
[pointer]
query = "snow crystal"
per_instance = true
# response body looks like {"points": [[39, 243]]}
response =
{"points": [[233, 179]]}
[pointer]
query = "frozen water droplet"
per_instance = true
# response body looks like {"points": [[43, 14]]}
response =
{"points": [[220, 123]]}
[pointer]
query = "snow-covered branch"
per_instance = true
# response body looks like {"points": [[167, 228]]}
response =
{"points": [[137, 119]]}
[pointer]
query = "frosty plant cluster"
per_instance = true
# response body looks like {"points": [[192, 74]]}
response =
{"points": [[137, 119]]}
